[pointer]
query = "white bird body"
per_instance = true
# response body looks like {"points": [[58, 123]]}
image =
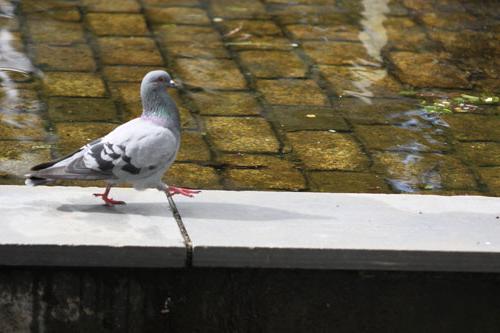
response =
{"points": [[137, 152]]}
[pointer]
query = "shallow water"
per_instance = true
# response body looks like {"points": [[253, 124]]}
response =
{"points": [[304, 95]]}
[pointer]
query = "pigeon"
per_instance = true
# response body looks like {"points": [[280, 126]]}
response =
{"points": [[137, 152]]}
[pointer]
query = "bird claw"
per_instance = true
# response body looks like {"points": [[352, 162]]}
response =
{"points": [[109, 201], [172, 190]]}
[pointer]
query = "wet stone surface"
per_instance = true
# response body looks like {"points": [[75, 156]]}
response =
{"points": [[328, 151], [65, 58], [291, 92], [309, 95], [74, 84], [270, 64], [241, 134], [226, 103]]}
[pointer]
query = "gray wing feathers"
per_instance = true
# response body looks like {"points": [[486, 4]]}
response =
{"points": [[134, 150]]}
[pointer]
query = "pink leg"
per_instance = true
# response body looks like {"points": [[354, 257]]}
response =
{"points": [[172, 190], [107, 200]]}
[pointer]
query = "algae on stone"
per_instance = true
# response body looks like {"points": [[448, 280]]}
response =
{"points": [[117, 24], [62, 109], [192, 176], [249, 171], [193, 148], [271, 64], [129, 51], [328, 151], [75, 84], [292, 92], [241, 134], [346, 182], [210, 74], [307, 118], [72, 136], [226, 103]]}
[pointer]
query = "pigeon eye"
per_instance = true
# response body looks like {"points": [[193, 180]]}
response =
{"points": [[160, 79]]}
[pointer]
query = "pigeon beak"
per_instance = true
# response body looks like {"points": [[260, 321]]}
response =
{"points": [[172, 84]]}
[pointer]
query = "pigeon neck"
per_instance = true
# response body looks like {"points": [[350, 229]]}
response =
{"points": [[159, 107]]}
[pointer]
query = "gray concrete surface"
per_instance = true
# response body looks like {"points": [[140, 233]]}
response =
{"points": [[68, 226], [59, 226]]}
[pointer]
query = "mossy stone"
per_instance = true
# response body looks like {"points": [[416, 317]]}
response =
{"points": [[360, 81], [291, 92], [72, 136], [261, 43], [62, 109], [336, 53], [347, 182], [65, 58], [491, 177], [397, 138], [328, 151], [56, 32], [237, 28], [17, 157], [419, 70], [177, 15], [192, 176], [225, 103], [127, 73], [210, 73], [125, 6], [74, 84], [108, 24], [307, 118], [241, 134], [238, 9], [314, 32], [409, 172], [129, 51], [260, 172], [193, 147], [21, 126], [480, 153], [473, 127], [272, 64]]}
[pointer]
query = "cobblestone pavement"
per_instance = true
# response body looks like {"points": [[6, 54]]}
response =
{"points": [[279, 95]]}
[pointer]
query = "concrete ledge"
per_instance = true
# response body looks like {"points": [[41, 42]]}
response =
{"points": [[67, 226], [343, 231]]}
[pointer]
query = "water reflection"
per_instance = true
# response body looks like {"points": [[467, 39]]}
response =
{"points": [[367, 51], [374, 38]]}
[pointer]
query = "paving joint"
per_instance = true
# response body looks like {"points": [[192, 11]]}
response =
{"points": [[182, 229]]}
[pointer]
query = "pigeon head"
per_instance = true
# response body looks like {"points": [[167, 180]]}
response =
{"points": [[156, 102], [158, 79]]}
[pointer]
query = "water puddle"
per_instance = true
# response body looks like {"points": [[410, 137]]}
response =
{"points": [[396, 96]]}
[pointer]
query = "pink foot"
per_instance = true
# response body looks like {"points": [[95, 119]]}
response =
{"points": [[108, 201], [172, 190]]}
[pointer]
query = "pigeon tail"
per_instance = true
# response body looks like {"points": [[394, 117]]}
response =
{"points": [[35, 181]]}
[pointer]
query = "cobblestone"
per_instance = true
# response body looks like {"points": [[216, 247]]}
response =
{"points": [[129, 51], [74, 84], [346, 182], [292, 92], [246, 171], [114, 6], [104, 24], [210, 74], [65, 58], [226, 103], [328, 151], [241, 134], [270, 64], [271, 92], [63, 109]]}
